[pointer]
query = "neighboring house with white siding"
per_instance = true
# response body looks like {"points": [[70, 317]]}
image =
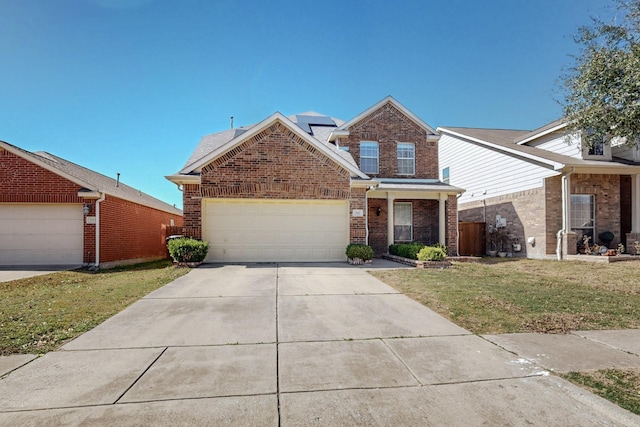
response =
{"points": [[548, 187]]}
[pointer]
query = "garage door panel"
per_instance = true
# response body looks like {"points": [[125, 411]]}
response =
{"points": [[41, 234], [275, 230]]}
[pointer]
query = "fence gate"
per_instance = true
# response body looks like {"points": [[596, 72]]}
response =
{"points": [[471, 238]]}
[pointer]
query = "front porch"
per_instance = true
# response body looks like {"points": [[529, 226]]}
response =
{"points": [[407, 210]]}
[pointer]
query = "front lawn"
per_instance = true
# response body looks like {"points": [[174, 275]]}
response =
{"points": [[505, 296], [38, 314], [497, 297]]}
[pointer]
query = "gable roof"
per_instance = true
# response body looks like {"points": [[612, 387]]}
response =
{"points": [[506, 141], [542, 131], [218, 144], [388, 100], [88, 179]]}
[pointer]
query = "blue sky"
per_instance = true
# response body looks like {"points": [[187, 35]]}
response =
{"points": [[131, 86]]}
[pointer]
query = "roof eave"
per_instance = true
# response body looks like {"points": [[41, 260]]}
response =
{"points": [[353, 170], [181, 179], [48, 167], [541, 134], [396, 104], [499, 147]]}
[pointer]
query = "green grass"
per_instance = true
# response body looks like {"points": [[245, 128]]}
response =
{"points": [[621, 386], [527, 295], [38, 314], [506, 296]]}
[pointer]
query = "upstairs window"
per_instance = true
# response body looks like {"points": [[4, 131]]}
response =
{"points": [[595, 147], [406, 159], [445, 175], [369, 158]]}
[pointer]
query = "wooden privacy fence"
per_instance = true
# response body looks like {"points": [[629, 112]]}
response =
{"points": [[471, 238]]}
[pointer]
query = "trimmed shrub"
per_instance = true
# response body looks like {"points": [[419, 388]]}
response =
{"points": [[441, 246], [606, 237], [406, 250], [364, 252], [187, 250], [431, 253]]}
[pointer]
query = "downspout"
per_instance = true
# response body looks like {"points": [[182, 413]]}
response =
{"points": [[565, 210], [366, 214], [101, 199]]}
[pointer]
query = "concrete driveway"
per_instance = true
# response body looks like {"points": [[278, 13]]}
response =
{"points": [[290, 345], [8, 273]]}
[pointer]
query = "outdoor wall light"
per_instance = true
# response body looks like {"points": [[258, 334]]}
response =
{"points": [[86, 209], [378, 211]]}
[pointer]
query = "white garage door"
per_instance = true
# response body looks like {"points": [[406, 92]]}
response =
{"points": [[240, 230], [35, 234]]}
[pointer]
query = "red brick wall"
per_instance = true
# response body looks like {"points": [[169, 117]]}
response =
{"points": [[357, 225], [192, 206], [425, 223], [23, 181], [274, 164], [132, 231], [128, 230], [388, 126]]}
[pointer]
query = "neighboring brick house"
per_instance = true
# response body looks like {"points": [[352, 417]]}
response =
{"points": [[54, 212], [547, 187], [301, 188]]}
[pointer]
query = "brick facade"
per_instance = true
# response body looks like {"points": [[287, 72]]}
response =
{"points": [[388, 126], [274, 164], [129, 231], [538, 212], [277, 163]]}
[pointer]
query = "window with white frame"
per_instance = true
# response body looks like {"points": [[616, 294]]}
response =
{"points": [[445, 175], [583, 216], [369, 157], [402, 222], [406, 158], [595, 147]]}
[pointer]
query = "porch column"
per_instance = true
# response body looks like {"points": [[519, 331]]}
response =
{"points": [[442, 219], [635, 203], [390, 219]]}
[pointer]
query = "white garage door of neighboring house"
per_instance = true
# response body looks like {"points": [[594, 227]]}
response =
{"points": [[240, 230], [41, 234]]}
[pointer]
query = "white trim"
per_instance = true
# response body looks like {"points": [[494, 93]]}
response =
{"points": [[370, 144], [395, 204], [543, 133], [413, 158]]}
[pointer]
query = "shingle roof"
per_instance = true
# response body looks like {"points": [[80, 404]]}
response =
{"points": [[508, 138], [320, 129], [94, 181]]}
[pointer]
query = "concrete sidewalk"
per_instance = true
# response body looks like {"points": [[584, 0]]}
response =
{"points": [[289, 345]]}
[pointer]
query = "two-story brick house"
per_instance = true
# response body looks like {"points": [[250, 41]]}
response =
{"points": [[301, 188]]}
